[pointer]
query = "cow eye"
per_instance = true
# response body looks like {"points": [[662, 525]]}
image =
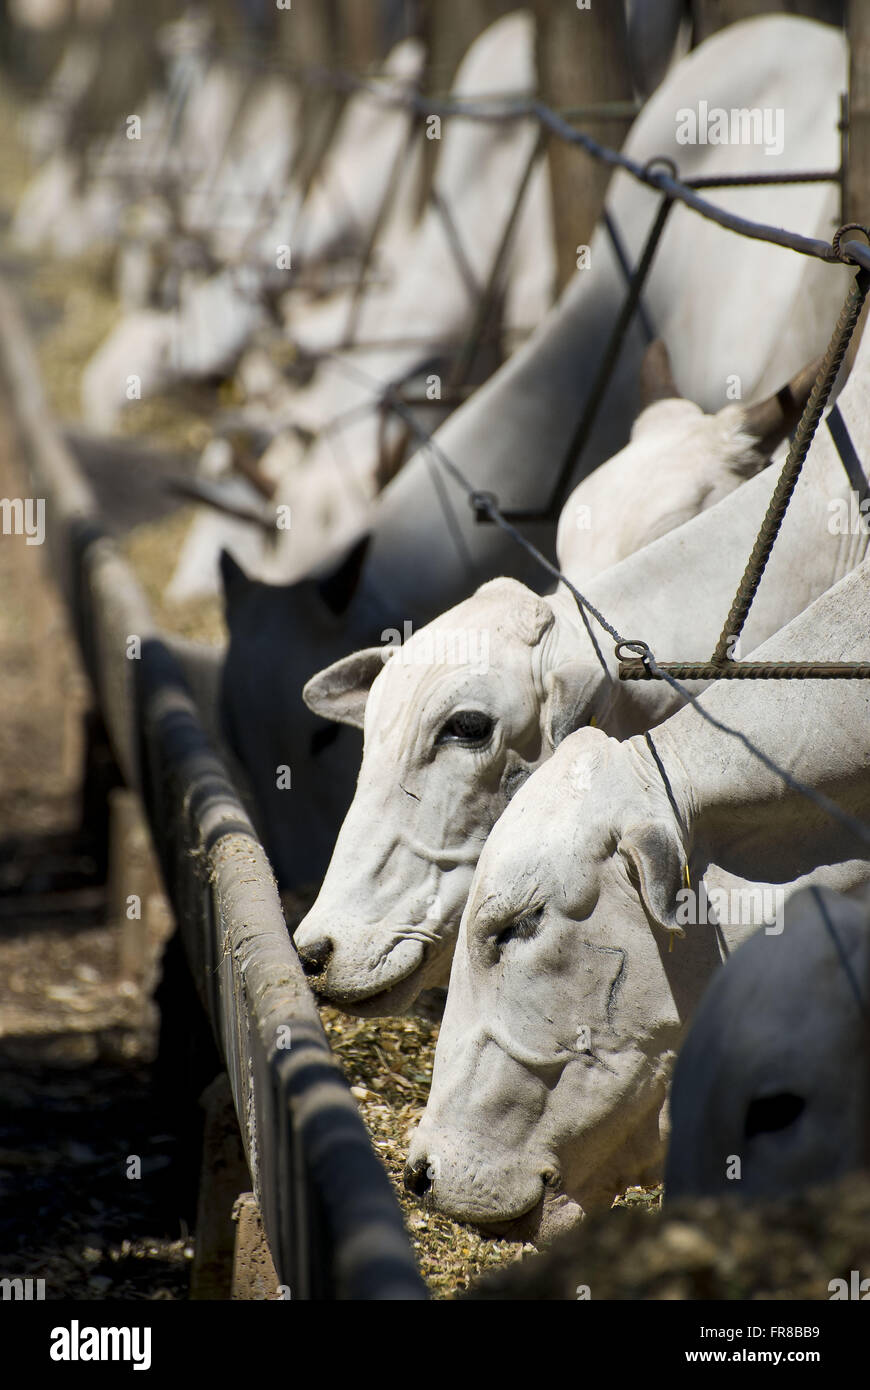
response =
{"points": [[767, 1114], [466, 726], [521, 929]]}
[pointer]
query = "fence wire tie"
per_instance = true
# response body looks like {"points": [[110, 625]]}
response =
{"points": [[638, 649], [483, 504], [842, 254]]}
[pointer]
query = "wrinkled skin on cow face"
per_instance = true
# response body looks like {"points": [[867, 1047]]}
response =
{"points": [[447, 743], [565, 1007]]}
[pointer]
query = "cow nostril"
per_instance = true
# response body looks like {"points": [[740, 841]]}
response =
{"points": [[550, 1178], [315, 957], [417, 1177]]}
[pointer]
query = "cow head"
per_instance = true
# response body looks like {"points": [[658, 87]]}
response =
{"points": [[771, 1086], [455, 721], [300, 769], [565, 1005], [679, 460]]}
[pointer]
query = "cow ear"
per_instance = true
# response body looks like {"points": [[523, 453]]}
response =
{"points": [[769, 421], [340, 691], [567, 701], [338, 588], [657, 375], [656, 860], [235, 581]]}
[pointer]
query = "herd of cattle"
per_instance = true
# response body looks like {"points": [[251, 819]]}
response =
{"points": [[600, 877]]}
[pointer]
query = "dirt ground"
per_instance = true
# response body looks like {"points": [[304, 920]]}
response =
{"points": [[76, 1100]]}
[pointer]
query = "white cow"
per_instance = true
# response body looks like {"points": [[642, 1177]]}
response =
{"points": [[475, 701], [583, 952], [215, 315], [378, 938], [427, 312], [178, 141], [227, 204], [770, 1088], [425, 552], [678, 462], [348, 189], [512, 436], [219, 314], [431, 299], [706, 286]]}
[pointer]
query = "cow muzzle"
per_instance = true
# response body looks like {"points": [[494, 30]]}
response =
{"points": [[493, 1194], [353, 972]]}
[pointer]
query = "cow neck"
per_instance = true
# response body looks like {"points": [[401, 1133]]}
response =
{"points": [[675, 592], [740, 813]]}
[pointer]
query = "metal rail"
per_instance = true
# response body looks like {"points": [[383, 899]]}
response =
{"points": [[331, 1219]]}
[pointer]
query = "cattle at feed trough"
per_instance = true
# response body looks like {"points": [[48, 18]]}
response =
{"points": [[269, 725], [338, 212], [188, 187], [671, 591], [320, 762], [205, 317], [184, 130], [583, 952], [458, 717], [541, 388], [206, 314], [653, 36], [424, 771], [426, 552], [678, 462], [342, 206], [771, 1086], [217, 314], [329, 483]]}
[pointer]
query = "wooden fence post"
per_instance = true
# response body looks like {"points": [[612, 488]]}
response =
{"points": [[583, 59], [858, 167], [709, 16]]}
